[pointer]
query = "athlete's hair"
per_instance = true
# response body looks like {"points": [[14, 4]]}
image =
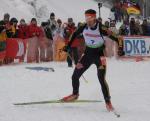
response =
{"points": [[90, 11]]}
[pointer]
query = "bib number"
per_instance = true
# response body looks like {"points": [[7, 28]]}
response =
{"points": [[92, 41]]}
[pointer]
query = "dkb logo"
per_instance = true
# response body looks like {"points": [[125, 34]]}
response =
{"points": [[135, 47]]}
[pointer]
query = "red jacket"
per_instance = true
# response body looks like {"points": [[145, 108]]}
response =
{"points": [[42, 35], [67, 34], [34, 30], [42, 32], [23, 31]]}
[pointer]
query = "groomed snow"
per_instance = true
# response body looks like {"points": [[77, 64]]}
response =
{"points": [[129, 86]]}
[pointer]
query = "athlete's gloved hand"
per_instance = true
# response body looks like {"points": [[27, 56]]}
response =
{"points": [[120, 48], [121, 51], [66, 48]]}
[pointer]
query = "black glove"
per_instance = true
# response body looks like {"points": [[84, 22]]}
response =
{"points": [[66, 48], [121, 51]]}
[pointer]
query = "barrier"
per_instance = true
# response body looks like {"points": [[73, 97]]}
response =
{"points": [[109, 47], [2, 51], [32, 50], [137, 46], [2, 55], [15, 48], [46, 49], [59, 43]]}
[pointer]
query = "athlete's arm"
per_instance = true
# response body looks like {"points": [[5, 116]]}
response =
{"points": [[106, 32], [76, 33]]}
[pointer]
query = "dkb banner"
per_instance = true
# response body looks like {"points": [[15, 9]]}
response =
{"points": [[137, 46]]}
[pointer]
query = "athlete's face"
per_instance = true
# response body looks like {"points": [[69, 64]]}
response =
{"points": [[90, 20]]}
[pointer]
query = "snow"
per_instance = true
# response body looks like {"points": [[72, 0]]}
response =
{"points": [[62, 8], [129, 86]]}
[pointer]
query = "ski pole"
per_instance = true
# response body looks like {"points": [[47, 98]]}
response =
{"points": [[75, 64], [86, 81]]}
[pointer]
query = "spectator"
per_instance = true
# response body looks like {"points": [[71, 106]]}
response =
{"points": [[113, 27], [133, 28], [33, 43], [6, 21], [145, 28], [34, 30], [59, 41], [59, 29], [124, 29], [47, 30], [107, 24], [3, 38], [46, 42], [109, 44], [52, 23], [10, 30], [23, 33], [148, 28], [68, 31], [10, 26], [23, 30], [6, 17], [14, 29], [138, 27]]}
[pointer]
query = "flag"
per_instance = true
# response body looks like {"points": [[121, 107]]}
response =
{"points": [[132, 7], [133, 10]]}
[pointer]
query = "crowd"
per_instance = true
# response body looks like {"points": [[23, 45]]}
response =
{"points": [[122, 9], [134, 27], [40, 40]]}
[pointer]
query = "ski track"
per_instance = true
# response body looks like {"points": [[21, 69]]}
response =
{"points": [[129, 86]]}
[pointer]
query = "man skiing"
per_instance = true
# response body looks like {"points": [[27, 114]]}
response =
{"points": [[93, 32]]}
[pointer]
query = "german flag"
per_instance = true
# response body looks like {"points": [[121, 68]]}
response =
{"points": [[132, 8]]}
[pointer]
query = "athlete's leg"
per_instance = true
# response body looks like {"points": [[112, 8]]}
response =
{"points": [[101, 72], [81, 67]]}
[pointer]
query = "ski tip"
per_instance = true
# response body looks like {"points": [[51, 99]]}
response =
{"points": [[117, 114], [17, 104]]}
